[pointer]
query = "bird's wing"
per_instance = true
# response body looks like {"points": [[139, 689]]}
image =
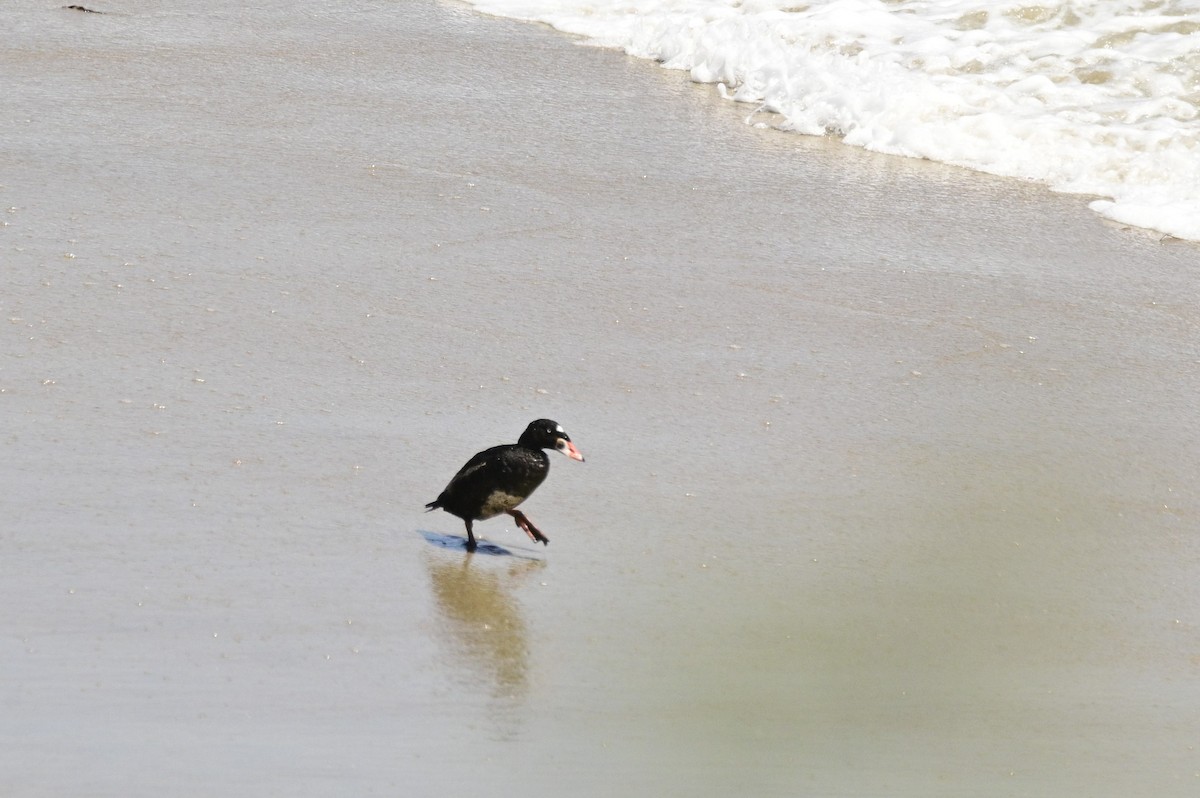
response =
{"points": [[484, 459]]}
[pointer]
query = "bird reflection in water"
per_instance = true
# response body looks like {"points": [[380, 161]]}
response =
{"points": [[481, 622]]}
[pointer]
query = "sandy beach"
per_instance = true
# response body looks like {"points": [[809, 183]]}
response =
{"points": [[891, 467]]}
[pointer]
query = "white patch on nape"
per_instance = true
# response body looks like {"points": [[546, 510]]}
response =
{"points": [[497, 503]]}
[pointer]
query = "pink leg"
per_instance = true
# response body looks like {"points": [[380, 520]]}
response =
{"points": [[534, 533]]}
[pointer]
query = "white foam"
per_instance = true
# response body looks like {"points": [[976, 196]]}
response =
{"points": [[1095, 98]]}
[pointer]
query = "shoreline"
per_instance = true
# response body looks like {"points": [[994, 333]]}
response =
{"points": [[729, 51]]}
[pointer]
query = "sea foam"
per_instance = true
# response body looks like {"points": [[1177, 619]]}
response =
{"points": [[1099, 98]]}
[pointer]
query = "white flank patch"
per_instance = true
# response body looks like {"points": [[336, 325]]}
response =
{"points": [[497, 503]]}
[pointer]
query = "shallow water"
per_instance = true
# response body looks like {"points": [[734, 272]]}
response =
{"points": [[1091, 98], [903, 505]]}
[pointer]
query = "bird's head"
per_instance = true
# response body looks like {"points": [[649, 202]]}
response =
{"points": [[547, 434]]}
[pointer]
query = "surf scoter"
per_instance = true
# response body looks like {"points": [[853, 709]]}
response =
{"points": [[498, 479]]}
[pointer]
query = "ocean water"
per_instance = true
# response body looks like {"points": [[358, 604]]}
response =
{"points": [[1096, 98]]}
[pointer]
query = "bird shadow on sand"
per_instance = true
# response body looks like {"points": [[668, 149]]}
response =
{"points": [[484, 547]]}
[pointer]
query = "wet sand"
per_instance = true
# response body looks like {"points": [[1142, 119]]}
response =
{"points": [[890, 482]]}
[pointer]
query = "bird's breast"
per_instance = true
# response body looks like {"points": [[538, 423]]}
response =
{"points": [[497, 502]]}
